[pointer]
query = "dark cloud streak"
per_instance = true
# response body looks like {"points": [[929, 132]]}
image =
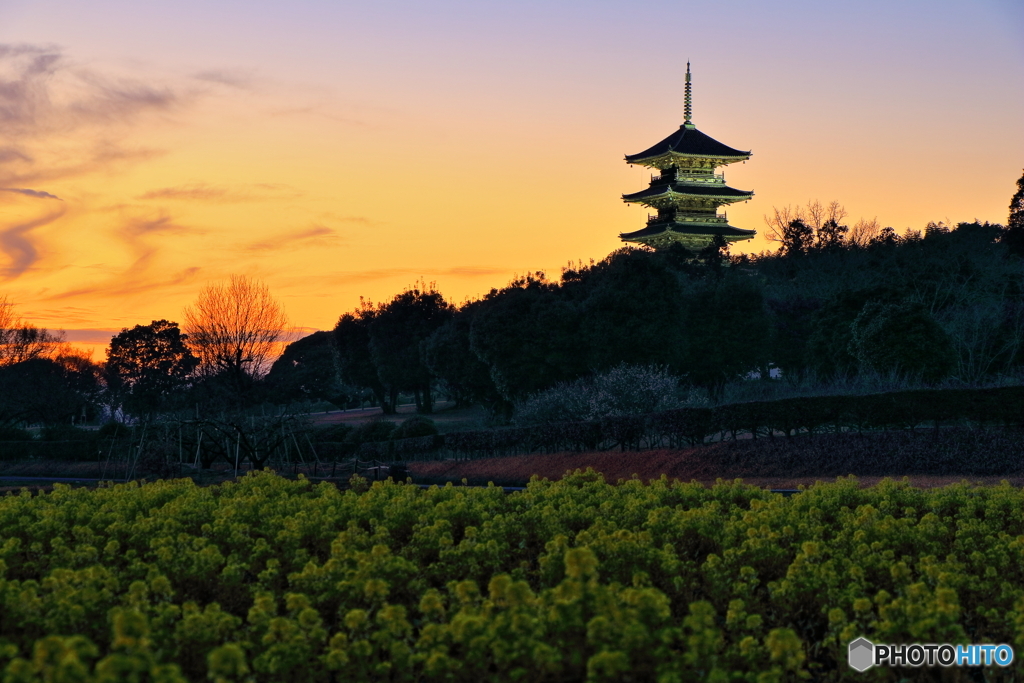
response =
{"points": [[297, 239], [31, 193], [21, 251]]}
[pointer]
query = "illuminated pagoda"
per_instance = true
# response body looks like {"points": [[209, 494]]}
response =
{"points": [[687, 192]]}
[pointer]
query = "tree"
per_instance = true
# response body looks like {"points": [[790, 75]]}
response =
{"points": [[397, 332], [801, 229], [234, 329], [449, 355], [728, 332], [902, 338], [308, 370], [527, 335], [47, 390], [797, 238], [632, 310], [1013, 237], [20, 341], [147, 363], [355, 362]]}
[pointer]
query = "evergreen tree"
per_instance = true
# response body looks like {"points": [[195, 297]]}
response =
{"points": [[1013, 238], [396, 334]]}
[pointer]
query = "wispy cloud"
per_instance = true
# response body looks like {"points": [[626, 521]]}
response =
{"points": [[17, 244], [62, 119], [122, 286], [316, 235], [142, 235], [234, 78], [198, 192], [31, 193], [203, 192], [323, 112]]}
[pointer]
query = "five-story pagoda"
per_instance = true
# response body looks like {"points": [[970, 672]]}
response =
{"points": [[688, 192]]}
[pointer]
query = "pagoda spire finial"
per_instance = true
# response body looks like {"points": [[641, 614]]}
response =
{"points": [[688, 100]]}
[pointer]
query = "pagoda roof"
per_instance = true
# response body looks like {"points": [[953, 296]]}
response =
{"points": [[699, 190], [691, 229], [688, 141]]}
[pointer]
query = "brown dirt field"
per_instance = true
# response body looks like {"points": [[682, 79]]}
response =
{"points": [[682, 465]]}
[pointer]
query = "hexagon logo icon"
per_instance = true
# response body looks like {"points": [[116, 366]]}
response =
{"points": [[861, 654]]}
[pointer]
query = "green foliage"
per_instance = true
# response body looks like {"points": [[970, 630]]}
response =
{"points": [[335, 433], [415, 426], [1013, 237], [396, 334], [450, 358], [901, 338], [147, 364], [372, 431], [307, 370], [268, 580], [725, 324], [46, 390]]}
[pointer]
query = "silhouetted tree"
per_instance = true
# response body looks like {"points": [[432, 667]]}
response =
{"points": [[715, 255], [355, 362], [902, 338], [396, 334], [147, 364], [792, 325], [797, 238], [50, 391], [831, 235], [829, 351], [450, 357], [308, 370], [632, 310], [20, 341], [526, 334], [1013, 237]]}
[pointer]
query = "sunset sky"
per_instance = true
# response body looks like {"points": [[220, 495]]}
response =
{"points": [[342, 149]]}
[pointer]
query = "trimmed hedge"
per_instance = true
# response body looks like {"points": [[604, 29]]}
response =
{"points": [[1002, 406]]}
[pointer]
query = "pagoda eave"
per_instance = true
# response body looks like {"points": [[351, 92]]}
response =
{"points": [[723, 195], [663, 161], [659, 237], [695, 229]]}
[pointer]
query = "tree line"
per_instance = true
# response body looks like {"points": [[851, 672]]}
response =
{"points": [[832, 304]]}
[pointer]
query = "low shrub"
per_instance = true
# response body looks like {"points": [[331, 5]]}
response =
{"points": [[415, 426]]}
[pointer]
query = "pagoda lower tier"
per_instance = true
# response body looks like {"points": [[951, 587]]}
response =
{"points": [[692, 230]]}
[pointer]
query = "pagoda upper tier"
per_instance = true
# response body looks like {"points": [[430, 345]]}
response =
{"points": [[686, 146], [687, 192]]}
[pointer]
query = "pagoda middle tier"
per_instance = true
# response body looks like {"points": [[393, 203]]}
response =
{"points": [[687, 192]]}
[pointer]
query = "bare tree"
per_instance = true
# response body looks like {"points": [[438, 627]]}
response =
{"points": [[234, 329], [823, 220], [20, 341], [863, 231]]}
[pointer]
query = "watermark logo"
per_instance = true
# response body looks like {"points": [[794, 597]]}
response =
{"points": [[862, 654]]}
